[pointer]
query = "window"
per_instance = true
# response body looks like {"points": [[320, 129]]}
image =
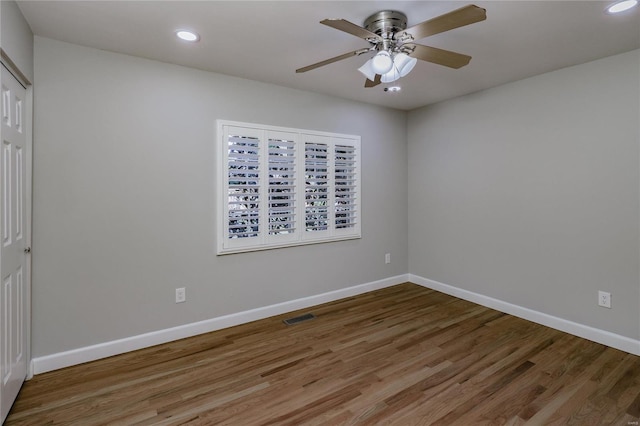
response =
{"points": [[282, 187]]}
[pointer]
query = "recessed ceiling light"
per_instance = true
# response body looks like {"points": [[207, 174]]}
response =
{"points": [[621, 6], [392, 89], [187, 35]]}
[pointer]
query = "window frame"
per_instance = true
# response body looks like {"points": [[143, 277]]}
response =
{"points": [[300, 138]]}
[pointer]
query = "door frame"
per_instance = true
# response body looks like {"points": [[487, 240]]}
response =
{"points": [[10, 66]]}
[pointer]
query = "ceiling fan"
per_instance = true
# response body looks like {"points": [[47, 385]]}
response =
{"points": [[394, 43]]}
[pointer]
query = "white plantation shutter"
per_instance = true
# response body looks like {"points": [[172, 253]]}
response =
{"points": [[316, 171], [282, 215], [284, 187], [346, 187], [243, 186]]}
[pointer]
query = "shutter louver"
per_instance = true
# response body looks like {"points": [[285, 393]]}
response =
{"points": [[345, 187], [282, 187], [317, 186], [243, 197]]}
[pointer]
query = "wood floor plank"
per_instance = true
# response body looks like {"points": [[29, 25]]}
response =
{"points": [[402, 355]]}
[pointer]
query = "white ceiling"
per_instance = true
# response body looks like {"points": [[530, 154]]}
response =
{"points": [[267, 40]]}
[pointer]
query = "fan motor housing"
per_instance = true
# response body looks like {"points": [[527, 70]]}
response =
{"points": [[386, 23]]}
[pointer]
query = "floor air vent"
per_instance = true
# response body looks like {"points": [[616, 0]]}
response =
{"points": [[298, 319]]}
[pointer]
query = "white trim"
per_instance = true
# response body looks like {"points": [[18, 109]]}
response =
{"points": [[28, 224], [617, 341], [59, 360]]}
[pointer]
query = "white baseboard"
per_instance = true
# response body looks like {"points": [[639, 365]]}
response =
{"points": [[617, 341], [91, 353], [102, 350]]}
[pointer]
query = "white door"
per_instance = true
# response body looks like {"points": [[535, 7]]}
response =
{"points": [[13, 241]]}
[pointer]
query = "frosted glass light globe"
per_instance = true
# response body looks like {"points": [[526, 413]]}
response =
{"points": [[382, 62], [367, 70], [404, 63], [390, 76]]}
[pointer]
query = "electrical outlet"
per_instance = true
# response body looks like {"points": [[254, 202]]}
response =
{"points": [[181, 295], [387, 258], [604, 299]]}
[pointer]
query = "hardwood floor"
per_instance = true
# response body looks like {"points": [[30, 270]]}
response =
{"points": [[403, 355]]}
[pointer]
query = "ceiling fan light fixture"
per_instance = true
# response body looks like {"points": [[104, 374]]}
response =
{"points": [[621, 6], [388, 36], [367, 70], [382, 63], [404, 63]]}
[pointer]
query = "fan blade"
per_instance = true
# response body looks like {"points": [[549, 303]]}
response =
{"points": [[331, 60], [351, 28], [438, 56], [373, 83], [455, 19]]}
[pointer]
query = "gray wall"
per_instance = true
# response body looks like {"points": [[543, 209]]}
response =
{"points": [[124, 197], [529, 193], [16, 39]]}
